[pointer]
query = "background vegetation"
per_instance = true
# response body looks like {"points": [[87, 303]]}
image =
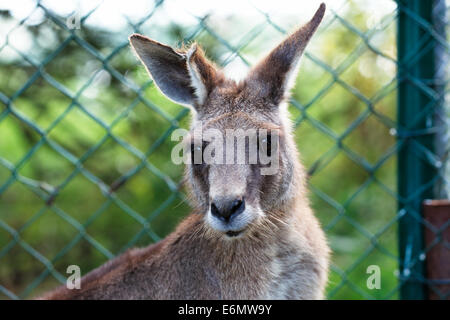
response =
{"points": [[98, 178]]}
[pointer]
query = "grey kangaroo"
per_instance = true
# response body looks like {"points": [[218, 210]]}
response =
{"points": [[251, 236]]}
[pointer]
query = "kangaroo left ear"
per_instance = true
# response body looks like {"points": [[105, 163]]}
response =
{"points": [[274, 76], [184, 77]]}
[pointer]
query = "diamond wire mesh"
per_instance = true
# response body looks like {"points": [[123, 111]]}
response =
{"points": [[351, 160]]}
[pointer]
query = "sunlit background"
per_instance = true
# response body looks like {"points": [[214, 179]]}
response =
{"points": [[101, 179]]}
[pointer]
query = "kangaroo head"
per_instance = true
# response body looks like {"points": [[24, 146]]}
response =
{"points": [[235, 195]]}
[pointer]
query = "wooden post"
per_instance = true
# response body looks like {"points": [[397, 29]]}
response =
{"points": [[437, 214]]}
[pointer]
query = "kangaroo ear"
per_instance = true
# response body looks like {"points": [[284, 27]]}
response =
{"points": [[184, 77], [274, 76]]}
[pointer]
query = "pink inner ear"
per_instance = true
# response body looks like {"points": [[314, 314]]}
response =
{"points": [[204, 75]]}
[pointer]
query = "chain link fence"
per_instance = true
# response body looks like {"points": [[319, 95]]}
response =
{"points": [[85, 169]]}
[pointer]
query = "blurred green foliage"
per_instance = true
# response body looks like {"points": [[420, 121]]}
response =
{"points": [[353, 204]]}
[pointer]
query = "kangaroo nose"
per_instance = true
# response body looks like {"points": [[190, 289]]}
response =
{"points": [[226, 209]]}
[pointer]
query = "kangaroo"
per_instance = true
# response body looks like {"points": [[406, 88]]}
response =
{"points": [[251, 236]]}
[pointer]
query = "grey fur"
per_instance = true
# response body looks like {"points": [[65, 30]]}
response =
{"points": [[282, 254]]}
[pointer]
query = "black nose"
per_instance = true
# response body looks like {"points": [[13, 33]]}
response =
{"points": [[227, 209]]}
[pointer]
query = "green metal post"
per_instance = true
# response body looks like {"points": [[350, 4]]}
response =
{"points": [[416, 67]]}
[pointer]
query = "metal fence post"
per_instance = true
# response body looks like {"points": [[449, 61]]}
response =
{"points": [[416, 103]]}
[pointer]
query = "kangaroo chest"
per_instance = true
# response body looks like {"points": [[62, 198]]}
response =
{"points": [[274, 273]]}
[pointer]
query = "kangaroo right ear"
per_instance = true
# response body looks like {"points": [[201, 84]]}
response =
{"points": [[184, 77], [274, 76]]}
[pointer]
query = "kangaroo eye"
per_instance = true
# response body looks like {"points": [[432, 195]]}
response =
{"points": [[197, 153], [266, 145]]}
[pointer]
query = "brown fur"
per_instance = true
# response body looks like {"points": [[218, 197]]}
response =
{"points": [[282, 252]]}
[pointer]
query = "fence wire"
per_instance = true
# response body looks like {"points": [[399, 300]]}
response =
{"points": [[85, 168]]}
